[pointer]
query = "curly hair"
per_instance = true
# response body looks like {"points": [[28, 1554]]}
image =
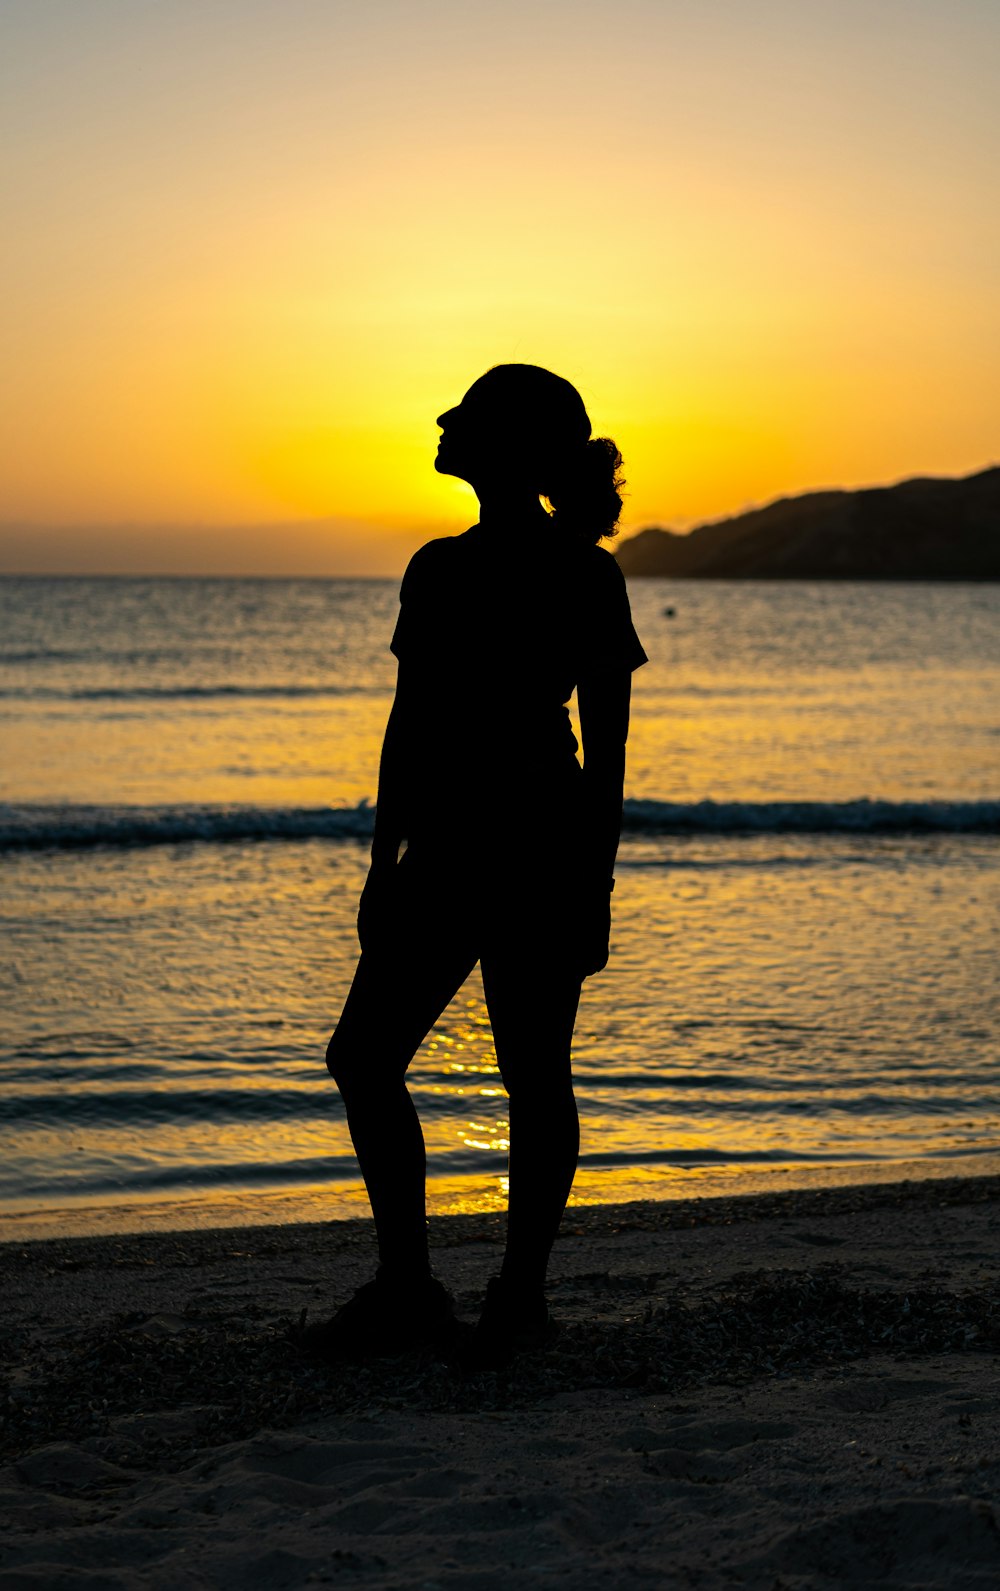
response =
{"points": [[579, 475]]}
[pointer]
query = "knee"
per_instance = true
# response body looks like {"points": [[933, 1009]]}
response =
{"points": [[359, 1071], [341, 1062], [535, 1069], [537, 1088]]}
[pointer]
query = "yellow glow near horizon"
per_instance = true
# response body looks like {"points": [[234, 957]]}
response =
{"points": [[260, 247]]}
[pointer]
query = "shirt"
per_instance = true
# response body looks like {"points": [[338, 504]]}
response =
{"points": [[494, 635]]}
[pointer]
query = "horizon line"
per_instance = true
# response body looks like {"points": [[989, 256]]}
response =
{"points": [[398, 535], [333, 518]]}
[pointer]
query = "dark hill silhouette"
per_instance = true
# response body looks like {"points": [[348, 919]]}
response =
{"points": [[921, 529]]}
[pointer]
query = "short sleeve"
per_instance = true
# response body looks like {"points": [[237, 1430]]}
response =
{"points": [[409, 636], [607, 637]]}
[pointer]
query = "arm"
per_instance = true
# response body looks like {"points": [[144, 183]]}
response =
{"points": [[391, 818], [409, 645], [390, 803], [603, 700]]}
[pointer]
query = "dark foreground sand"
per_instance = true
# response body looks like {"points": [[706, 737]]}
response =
{"points": [[797, 1390]]}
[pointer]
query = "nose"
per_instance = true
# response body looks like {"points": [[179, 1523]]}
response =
{"points": [[442, 419]]}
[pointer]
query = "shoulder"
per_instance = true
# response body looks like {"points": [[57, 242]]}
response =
{"points": [[429, 562], [602, 574], [427, 588], [432, 554], [609, 642], [608, 565]]}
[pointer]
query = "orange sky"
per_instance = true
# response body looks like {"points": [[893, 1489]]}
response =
{"points": [[254, 248]]}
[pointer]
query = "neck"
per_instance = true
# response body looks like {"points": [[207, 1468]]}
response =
{"points": [[503, 506]]}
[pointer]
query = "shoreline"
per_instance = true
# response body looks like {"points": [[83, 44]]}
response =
{"points": [[450, 1228], [252, 1208], [791, 1388]]}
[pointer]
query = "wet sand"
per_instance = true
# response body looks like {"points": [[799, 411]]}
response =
{"points": [[778, 1392]]}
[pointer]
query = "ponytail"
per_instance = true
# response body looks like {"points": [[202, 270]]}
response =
{"points": [[580, 479], [584, 488]]}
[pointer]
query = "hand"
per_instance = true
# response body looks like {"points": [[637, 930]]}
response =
{"points": [[594, 929]]}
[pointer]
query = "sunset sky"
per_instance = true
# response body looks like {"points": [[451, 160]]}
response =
{"points": [[253, 247]]}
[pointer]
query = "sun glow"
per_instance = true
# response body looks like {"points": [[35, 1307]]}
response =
{"points": [[256, 255]]}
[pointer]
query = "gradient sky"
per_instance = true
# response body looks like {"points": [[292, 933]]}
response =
{"points": [[253, 247]]}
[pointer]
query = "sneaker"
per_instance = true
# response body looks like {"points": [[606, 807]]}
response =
{"points": [[512, 1322], [384, 1317]]}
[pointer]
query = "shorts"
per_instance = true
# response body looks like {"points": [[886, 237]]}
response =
{"points": [[443, 914]]}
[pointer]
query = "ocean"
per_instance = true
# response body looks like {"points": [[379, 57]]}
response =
{"points": [[804, 975]]}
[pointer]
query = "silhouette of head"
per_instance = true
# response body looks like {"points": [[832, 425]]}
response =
{"points": [[521, 428]]}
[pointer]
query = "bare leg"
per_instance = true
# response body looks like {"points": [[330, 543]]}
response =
{"points": [[396, 997], [533, 1013], [544, 1148], [389, 1144]]}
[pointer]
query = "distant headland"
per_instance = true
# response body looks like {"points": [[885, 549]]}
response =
{"points": [[921, 529]]}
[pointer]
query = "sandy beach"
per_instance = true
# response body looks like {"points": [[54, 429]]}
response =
{"points": [[786, 1391]]}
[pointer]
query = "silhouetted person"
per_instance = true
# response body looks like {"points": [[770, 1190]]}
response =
{"points": [[510, 844]]}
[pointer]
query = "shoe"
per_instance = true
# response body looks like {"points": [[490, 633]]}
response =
{"points": [[384, 1317], [512, 1322]]}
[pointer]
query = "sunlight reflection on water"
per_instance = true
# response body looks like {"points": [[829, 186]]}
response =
{"points": [[775, 1000], [752, 1015]]}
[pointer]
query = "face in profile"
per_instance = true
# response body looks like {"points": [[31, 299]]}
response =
{"points": [[468, 446], [510, 427]]}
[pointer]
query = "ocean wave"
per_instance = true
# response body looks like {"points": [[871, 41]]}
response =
{"points": [[170, 693], [33, 827], [161, 1106], [861, 816]]}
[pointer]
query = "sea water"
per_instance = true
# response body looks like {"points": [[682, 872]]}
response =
{"points": [[804, 974]]}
